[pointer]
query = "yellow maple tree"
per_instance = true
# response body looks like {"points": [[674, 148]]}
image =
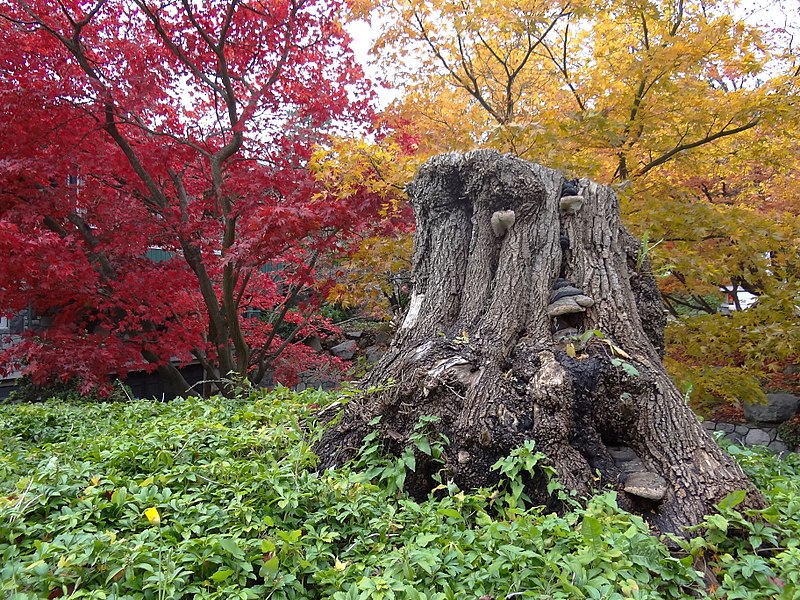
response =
{"points": [[686, 103]]}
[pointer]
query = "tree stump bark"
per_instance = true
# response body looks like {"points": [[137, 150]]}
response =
{"points": [[535, 316]]}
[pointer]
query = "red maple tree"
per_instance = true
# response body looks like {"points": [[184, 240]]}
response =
{"points": [[181, 129]]}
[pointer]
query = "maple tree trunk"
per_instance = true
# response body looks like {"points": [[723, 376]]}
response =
{"points": [[500, 356]]}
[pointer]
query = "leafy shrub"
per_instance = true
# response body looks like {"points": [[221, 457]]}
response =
{"points": [[756, 553], [335, 312], [219, 499], [26, 391]]}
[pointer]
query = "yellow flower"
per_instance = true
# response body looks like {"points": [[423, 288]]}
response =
{"points": [[153, 516]]}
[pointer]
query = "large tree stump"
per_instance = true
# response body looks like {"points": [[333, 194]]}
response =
{"points": [[495, 351]]}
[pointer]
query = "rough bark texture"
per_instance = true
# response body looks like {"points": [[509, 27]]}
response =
{"points": [[481, 349]]}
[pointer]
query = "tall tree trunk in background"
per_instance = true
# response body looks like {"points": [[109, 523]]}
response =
{"points": [[535, 317]]}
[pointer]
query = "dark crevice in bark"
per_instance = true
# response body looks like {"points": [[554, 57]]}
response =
{"points": [[486, 347]]}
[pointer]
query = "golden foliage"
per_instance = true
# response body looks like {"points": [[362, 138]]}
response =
{"points": [[375, 275]]}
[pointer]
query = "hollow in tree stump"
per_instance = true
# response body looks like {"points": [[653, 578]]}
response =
{"points": [[535, 317]]}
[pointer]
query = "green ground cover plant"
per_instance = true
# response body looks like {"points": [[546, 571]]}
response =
{"points": [[219, 499]]}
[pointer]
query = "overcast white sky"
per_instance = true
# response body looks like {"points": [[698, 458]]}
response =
{"points": [[364, 35]]}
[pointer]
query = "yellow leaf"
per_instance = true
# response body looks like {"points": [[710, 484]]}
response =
{"points": [[570, 348], [340, 566], [617, 351], [152, 516]]}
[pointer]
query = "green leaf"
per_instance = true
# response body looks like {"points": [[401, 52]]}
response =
{"points": [[410, 461], [119, 496], [221, 575], [270, 567], [450, 512], [718, 522], [630, 369], [569, 587], [424, 446], [733, 499], [592, 530], [291, 536], [424, 539], [231, 547]]}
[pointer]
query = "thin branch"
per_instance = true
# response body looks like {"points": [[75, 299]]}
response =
{"points": [[562, 66], [703, 306], [645, 31], [110, 126], [678, 19], [706, 140]]}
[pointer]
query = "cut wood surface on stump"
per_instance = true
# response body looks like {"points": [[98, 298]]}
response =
{"points": [[537, 319]]}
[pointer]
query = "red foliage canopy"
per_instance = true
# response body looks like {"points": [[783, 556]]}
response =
{"points": [[133, 125]]}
